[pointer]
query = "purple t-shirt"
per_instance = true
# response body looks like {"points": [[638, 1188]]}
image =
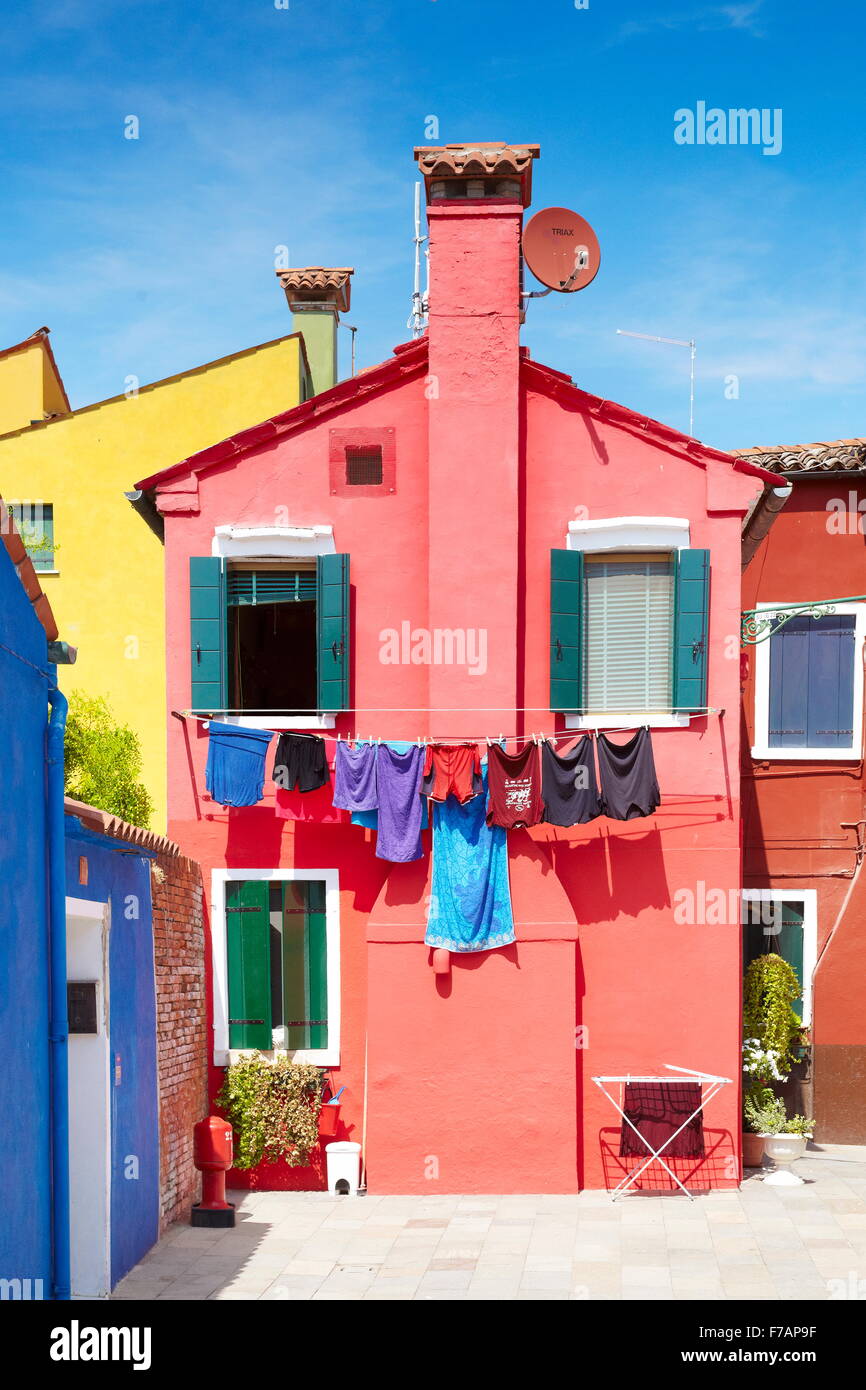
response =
{"points": [[355, 777], [398, 776]]}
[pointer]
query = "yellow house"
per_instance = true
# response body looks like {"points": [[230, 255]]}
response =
{"points": [[68, 474]]}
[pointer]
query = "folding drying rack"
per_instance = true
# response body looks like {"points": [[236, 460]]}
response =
{"points": [[710, 1087]]}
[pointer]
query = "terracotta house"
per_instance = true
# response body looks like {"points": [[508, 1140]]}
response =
{"points": [[539, 560], [802, 768]]}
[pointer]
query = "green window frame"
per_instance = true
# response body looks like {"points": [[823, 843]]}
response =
{"points": [[34, 522], [579, 630], [277, 964], [215, 586]]}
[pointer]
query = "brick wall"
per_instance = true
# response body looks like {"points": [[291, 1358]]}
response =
{"points": [[181, 1026]]}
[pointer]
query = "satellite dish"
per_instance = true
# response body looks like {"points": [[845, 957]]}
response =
{"points": [[561, 249]]}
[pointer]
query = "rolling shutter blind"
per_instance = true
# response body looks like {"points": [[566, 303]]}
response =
{"points": [[628, 624], [249, 964], [691, 638], [207, 621], [246, 587], [332, 631], [566, 616], [812, 683]]}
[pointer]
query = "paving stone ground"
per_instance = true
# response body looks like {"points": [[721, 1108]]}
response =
{"points": [[762, 1242]]}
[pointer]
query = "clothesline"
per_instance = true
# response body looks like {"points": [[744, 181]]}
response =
{"points": [[557, 736]]}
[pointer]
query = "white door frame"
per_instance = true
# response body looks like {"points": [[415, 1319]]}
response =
{"points": [[87, 938]]}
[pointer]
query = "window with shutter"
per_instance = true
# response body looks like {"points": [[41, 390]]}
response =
{"points": [[812, 683], [280, 945], [628, 632], [269, 637]]}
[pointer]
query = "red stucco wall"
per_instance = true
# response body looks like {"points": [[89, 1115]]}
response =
{"points": [[480, 1080]]}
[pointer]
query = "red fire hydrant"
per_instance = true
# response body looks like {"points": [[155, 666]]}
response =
{"points": [[212, 1153]]}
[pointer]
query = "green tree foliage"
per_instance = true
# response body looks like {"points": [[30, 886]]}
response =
{"points": [[103, 761]]}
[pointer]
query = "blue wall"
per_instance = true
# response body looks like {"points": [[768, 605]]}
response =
{"points": [[25, 1225], [119, 873]]}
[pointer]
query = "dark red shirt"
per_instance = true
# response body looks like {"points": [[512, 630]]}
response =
{"points": [[514, 787]]}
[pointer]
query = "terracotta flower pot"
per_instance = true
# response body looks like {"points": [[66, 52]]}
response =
{"points": [[753, 1149]]}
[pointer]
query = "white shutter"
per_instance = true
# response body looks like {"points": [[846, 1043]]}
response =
{"points": [[628, 627]]}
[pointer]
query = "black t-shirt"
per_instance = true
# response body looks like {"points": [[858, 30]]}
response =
{"points": [[569, 787], [628, 777]]}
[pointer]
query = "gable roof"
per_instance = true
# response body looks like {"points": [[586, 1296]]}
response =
{"points": [[409, 360], [163, 381], [826, 456]]}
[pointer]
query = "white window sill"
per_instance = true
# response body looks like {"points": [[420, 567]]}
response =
{"points": [[626, 721], [278, 721], [38, 572], [323, 1057], [814, 755]]}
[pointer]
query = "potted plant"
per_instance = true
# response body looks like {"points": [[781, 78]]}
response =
{"points": [[785, 1146], [772, 1034], [273, 1107]]}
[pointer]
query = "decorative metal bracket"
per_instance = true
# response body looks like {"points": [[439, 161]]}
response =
{"points": [[758, 624]]}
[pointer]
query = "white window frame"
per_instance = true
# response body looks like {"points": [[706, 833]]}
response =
{"points": [[809, 898], [666, 534], [761, 748], [275, 543], [223, 1055]]}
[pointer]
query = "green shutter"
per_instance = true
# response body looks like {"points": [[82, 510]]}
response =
{"points": [[332, 631], [207, 625], [248, 929], [566, 635], [691, 629], [317, 957], [250, 587]]}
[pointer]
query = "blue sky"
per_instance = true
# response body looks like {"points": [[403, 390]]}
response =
{"points": [[262, 126]]}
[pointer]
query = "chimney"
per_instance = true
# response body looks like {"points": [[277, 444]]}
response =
{"points": [[317, 295], [476, 194]]}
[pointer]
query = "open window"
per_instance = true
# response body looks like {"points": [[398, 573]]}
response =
{"points": [[783, 923], [269, 637]]}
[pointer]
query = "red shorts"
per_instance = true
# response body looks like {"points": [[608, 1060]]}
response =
{"points": [[452, 770]]}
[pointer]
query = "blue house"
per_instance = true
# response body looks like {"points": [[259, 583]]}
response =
{"points": [[78, 1084]]}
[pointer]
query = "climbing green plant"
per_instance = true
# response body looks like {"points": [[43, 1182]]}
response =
{"points": [[769, 989], [103, 761], [273, 1108]]}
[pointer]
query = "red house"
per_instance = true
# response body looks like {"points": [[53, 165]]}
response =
{"points": [[803, 780], [460, 543]]}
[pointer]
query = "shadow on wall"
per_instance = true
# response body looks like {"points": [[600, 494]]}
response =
{"points": [[611, 875]]}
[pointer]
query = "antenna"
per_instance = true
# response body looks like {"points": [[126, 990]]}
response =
{"points": [[674, 342], [419, 301]]}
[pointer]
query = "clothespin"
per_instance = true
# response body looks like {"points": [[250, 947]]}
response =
{"points": [[487, 739]]}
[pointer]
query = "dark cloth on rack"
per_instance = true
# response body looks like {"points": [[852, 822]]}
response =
{"points": [[657, 1109], [629, 787], [398, 789], [452, 770], [355, 777], [569, 787], [235, 770], [514, 781], [301, 761]]}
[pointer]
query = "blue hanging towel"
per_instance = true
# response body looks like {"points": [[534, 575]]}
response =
{"points": [[470, 903], [235, 772]]}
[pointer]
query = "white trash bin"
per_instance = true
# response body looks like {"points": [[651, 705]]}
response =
{"points": [[344, 1167]]}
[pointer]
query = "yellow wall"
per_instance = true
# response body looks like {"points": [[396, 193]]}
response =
{"points": [[108, 593], [23, 387]]}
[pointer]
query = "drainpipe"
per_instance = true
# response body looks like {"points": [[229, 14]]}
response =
{"points": [[59, 1021]]}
